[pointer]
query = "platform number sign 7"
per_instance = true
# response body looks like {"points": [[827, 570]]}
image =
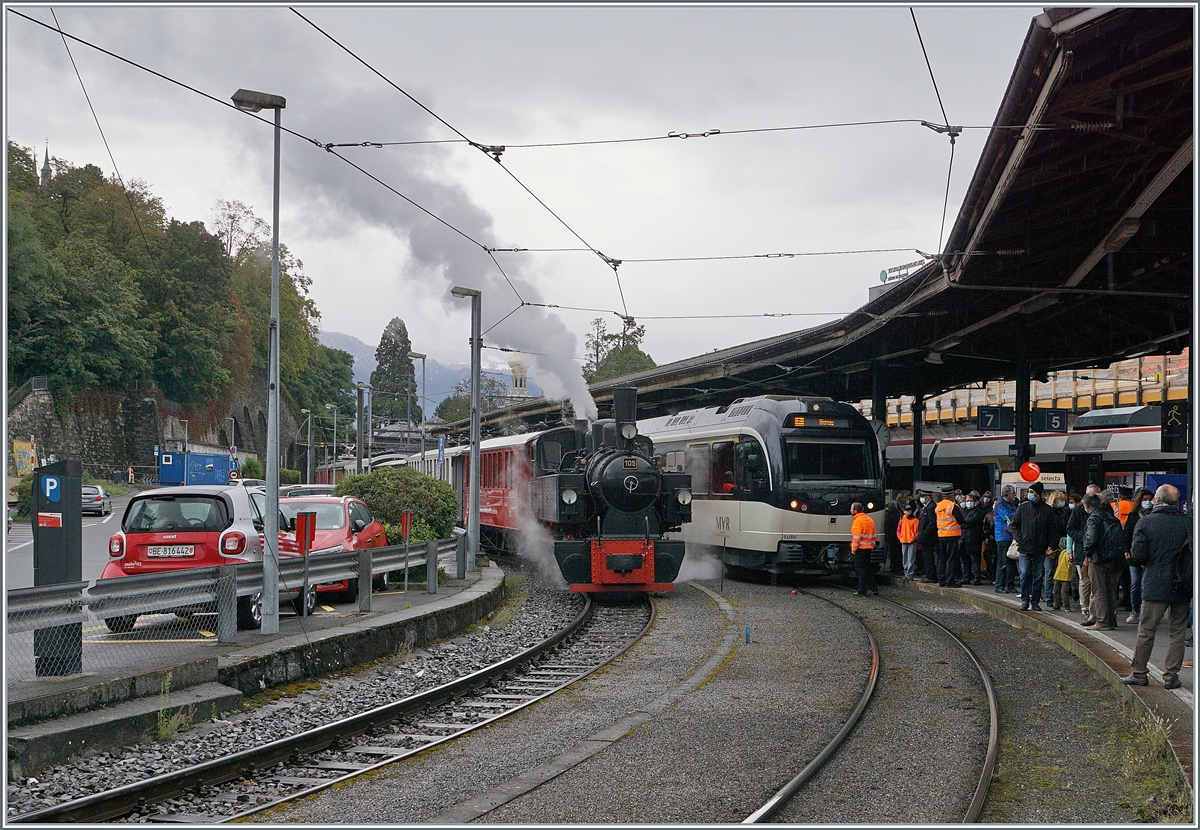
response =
{"points": [[995, 418]]}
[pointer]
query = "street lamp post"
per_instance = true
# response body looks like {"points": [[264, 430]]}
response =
{"points": [[421, 401], [308, 448], [250, 101], [476, 344], [358, 443], [370, 427], [333, 469]]}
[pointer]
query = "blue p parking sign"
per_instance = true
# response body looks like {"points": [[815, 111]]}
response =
{"points": [[52, 488]]}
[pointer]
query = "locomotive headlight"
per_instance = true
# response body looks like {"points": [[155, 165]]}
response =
{"points": [[684, 496], [629, 431], [569, 496], [870, 505]]}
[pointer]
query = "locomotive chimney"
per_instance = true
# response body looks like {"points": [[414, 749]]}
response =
{"points": [[625, 414], [581, 436]]}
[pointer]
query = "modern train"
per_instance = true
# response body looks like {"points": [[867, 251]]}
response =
{"points": [[773, 479], [597, 488], [1112, 447]]}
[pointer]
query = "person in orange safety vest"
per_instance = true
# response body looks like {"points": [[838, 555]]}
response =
{"points": [[949, 530], [862, 543]]}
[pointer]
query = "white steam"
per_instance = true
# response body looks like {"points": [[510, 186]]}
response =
{"points": [[536, 546], [699, 563]]}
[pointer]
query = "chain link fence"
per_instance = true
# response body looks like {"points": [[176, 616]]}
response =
{"points": [[64, 630]]}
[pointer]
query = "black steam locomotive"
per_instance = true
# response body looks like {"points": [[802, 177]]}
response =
{"points": [[609, 504]]}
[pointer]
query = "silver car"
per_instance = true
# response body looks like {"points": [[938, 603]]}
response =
{"points": [[96, 500]]}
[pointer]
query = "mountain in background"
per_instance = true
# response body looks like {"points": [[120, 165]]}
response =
{"points": [[439, 378]]}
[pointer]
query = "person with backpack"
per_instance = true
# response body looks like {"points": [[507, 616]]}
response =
{"points": [[1075, 527], [1162, 546], [1104, 558]]}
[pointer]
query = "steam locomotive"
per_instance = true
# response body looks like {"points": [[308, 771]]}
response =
{"points": [[597, 488]]}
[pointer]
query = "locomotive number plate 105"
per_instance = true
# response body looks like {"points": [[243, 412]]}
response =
{"points": [[629, 463]]}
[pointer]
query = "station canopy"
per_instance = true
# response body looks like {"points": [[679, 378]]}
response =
{"points": [[1072, 248]]}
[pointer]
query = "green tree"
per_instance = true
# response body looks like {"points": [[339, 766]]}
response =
{"points": [[394, 379], [615, 354], [457, 406]]}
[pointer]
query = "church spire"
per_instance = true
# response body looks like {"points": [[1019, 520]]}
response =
{"points": [[45, 177]]}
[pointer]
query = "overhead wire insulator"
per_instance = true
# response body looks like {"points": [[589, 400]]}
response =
{"points": [[493, 150]]}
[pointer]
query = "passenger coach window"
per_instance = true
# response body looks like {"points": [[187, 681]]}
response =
{"points": [[752, 467], [722, 467], [674, 462], [696, 464]]}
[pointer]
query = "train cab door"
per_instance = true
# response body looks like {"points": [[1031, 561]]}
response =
{"points": [[724, 491]]}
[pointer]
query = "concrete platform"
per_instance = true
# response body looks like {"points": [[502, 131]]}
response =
{"points": [[53, 720]]}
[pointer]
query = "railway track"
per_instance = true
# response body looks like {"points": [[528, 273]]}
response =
{"points": [[780, 799], [261, 777]]}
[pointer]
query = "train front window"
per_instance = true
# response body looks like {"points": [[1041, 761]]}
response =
{"points": [[845, 461]]}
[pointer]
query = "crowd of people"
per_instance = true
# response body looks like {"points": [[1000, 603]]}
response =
{"points": [[1070, 551]]}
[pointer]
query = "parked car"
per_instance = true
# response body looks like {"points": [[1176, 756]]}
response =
{"points": [[292, 491], [197, 526], [96, 500], [343, 523], [252, 482]]}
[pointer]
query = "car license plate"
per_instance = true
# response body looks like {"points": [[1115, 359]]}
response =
{"points": [[171, 550]]}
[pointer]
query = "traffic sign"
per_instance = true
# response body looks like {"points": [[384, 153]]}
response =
{"points": [[405, 524], [234, 475], [233, 449], [996, 418], [52, 488], [1174, 427], [441, 449]]}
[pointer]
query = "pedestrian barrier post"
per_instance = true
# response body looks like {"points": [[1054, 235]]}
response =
{"points": [[364, 580], [431, 566], [460, 557], [226, 603]]}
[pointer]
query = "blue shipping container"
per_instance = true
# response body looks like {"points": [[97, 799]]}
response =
{"points": [[175, 468]]}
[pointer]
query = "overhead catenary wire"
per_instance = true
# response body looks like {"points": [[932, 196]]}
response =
{"points": [[952, 132], [491, 150]]}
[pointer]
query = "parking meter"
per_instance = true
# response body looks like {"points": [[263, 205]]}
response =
{"points": [[57, 559]]}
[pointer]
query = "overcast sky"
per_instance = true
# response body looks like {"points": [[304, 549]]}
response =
{"points": [[506, 76]]}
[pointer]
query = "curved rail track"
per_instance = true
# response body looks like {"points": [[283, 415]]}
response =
{"points": [[789, 790], [256, 779]]}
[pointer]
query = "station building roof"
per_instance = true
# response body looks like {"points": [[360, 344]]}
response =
{"points": [[1073, 247]]}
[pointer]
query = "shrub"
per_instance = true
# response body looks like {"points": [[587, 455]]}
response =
{"points": [[251, 468], [24, 493], [392, 490], [287, 476]]}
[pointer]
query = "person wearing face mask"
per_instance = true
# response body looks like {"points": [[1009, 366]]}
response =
{"points": [[1143, 501], [988, 531], [927, 537], [1104, 555], [1002, 514], [1162, 544], [1075, 527], [949, 531], [1031, 526], [973, 511]]}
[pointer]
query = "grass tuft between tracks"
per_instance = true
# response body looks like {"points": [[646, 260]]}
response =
{"points": [[1156, 790], [515, 597]]}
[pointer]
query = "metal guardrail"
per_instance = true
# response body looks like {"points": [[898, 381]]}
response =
{"points": [[33, 609], [38, 383]]}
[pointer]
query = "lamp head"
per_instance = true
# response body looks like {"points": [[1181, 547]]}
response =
{"points": [[305, 411], [416, 355], [463, 293], [251, 101], [330, 406]]}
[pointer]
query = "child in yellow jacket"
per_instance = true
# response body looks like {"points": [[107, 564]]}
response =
{"points": [[1062, 582]]}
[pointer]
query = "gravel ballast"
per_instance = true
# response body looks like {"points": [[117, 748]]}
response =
{"points": [[1063, 733], [543, 612], [917, 753]]}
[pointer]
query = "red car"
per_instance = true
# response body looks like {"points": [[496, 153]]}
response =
{"points": [[171, 528], [343, 523]]}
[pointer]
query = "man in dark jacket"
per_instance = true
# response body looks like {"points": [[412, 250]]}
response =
{"points": [[1104, 557], [927, 538], [1031, 527], [973, 510], [891, 542], [1158, 541]]}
